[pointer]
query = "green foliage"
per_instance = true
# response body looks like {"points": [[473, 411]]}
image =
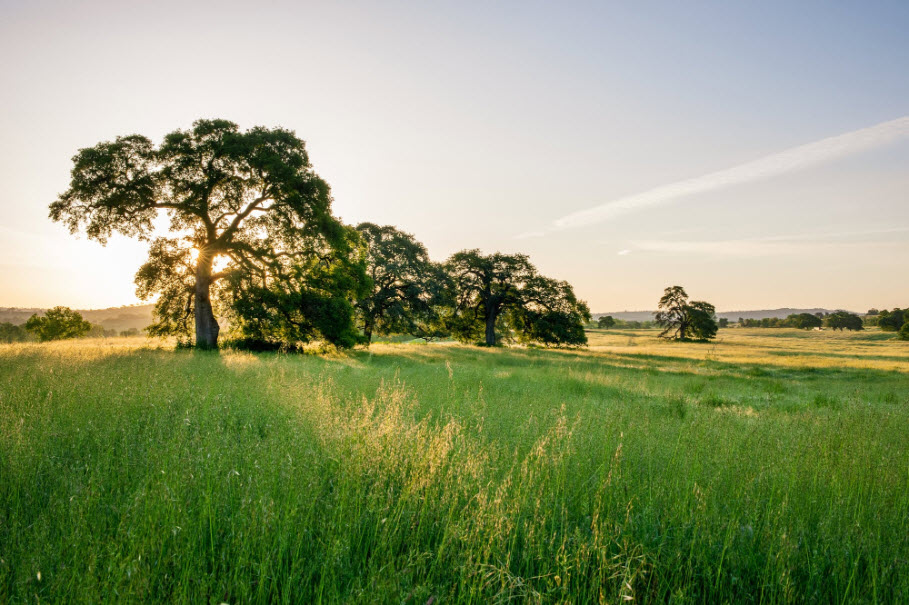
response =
{"points": [[408, 291], [633, 324], [247, 201], [844, 320], [804, 321], [892, 321], [723, 322], [57, 324], [502, 292], [170, 272], [606, 322], [10, 332], [549, 313], [99, 331], [904, 331], [303, 302], [682, 320]]}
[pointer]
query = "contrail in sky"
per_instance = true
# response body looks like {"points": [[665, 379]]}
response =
{"points": [[789, 160]]}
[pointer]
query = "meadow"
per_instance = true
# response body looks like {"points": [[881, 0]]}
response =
{"points": [[769, 466]]}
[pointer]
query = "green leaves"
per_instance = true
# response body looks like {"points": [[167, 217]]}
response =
{"points": [[844, 320], [249, 200], [114, 188], [406, 289], [682, 320], [308, 298], [57, 324], [506, 291]]}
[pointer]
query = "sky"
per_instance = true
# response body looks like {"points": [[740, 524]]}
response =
{"points": [[755, 153]]}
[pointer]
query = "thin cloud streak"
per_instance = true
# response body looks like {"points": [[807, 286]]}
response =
{"points": [[775, 245], [790, 160]]}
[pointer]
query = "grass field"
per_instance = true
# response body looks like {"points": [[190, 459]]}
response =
{"points": [[771, 466]]}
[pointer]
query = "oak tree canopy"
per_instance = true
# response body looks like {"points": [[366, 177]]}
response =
{"points": [[242, 205]]}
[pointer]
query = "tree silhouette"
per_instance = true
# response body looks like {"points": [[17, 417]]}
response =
{"points": [[841, 320], [507, 288], [804, 321], [682, 320], [238, 202], [405, 284], [606, 322]]}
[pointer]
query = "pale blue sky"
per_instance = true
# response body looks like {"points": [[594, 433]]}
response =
{"points": [[469, 124]]}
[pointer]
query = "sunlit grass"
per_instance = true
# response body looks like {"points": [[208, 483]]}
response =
{"points": [[765, 467]]}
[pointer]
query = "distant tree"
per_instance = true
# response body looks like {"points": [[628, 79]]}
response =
{"points": [[840, 320], [904, 331], [892, 321], [240, 201], [506, 289], [682, 320], [804, 321], [129, 333], [870, 320], [605, 322], [723, 322], [405, 284], [10, 332], [99, 331], [57, 324], [703, 320], [632, 324], [872, 311]]}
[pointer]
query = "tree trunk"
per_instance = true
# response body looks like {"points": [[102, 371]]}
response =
{"points": [[367, 331], [206, 325], [490, 328]]}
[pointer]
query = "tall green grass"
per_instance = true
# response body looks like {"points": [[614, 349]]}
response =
{"points": [[411, 474]]}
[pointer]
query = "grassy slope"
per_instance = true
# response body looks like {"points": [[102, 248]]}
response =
{"points": [[771, 466]]}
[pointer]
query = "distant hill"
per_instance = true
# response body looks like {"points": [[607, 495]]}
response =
{"points": [[140, 316], [730, 315], [113, 318]]}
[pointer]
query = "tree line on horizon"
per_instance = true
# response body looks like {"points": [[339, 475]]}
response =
{"points": [[58, 323], [253, 243]]}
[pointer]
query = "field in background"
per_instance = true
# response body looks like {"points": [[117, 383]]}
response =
{"points": [[768, 466]]}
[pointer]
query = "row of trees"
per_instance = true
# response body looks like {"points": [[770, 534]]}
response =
{"points": [[888, 321], [253, 242], [607, 322], [896, 320], [838, 320], [57, 324]]}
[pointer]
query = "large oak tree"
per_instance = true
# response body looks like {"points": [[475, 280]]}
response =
{"points": [[683, 320], [497, 287], [239, 203], [407, 287]]}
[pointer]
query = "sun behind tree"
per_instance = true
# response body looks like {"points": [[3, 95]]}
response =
{"points": [[249, 199]]}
